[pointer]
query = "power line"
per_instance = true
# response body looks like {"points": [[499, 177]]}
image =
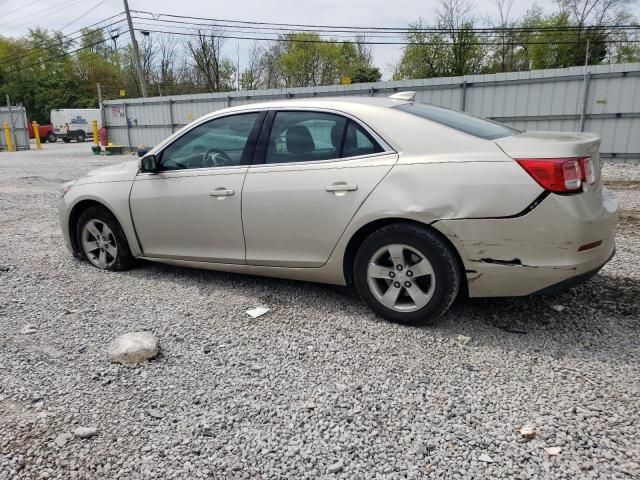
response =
{"points": [[83, 15], [342, 28], [225, 32], [65, 39], [39, 49], [297, 40], [339, 33], [20, 8], [42, 62], [59, 10]]}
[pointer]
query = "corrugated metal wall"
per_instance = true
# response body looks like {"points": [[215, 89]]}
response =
{"points": [[21, 133], [536, 100]]}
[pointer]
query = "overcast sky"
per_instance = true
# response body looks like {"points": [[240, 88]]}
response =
{"points": [[56, 14]]}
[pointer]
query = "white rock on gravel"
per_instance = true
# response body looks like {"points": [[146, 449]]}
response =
{"points": [[528, 431], [485, 458], [553, 451], [155, 413], [335, 468], [85, 432], [29, 329], [62, 439], [133, 347]]}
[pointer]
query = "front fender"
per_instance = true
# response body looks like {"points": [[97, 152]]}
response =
{"points": [[112, 195]]}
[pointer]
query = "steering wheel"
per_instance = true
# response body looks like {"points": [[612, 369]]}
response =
{"points": [[214, 157]]}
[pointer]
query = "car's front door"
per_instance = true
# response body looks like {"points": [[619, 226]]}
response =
{"points": [[317, 169], [191, 208]]}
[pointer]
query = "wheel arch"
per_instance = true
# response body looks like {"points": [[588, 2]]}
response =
{"points": [[363, 232], [74, 216]]}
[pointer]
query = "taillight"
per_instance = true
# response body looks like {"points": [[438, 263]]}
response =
{"points": [[559, 175], [589, 173]]}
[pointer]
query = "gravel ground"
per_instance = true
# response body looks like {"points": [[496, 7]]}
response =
{"points": [[318, 387]]}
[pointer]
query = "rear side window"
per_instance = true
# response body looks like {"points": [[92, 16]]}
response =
{"points": [[463, 122], [298, 136], [358, 142]]}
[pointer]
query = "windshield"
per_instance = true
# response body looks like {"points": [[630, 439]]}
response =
{"points": [[476, 126]]}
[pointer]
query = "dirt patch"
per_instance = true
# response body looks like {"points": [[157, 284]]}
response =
{"points": [[622, 184]]}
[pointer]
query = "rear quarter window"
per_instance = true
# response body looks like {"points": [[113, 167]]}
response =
{"points": [[463, 122]]}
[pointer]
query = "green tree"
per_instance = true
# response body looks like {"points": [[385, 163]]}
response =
{"points": [[38, 73], [307, 61], [424, 56], [363, 74], [356, 62]]}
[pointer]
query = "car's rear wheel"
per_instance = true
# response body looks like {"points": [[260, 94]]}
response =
{"points": [[52, 138], [407, 274], [102, 241], [80, 137]]}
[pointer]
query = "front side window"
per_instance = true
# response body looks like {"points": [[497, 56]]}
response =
{"points": [[463, 122], [314, 136], [221, 142]]}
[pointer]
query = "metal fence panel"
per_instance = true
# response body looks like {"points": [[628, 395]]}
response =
{"points": [[19, 119], [551, 99]]}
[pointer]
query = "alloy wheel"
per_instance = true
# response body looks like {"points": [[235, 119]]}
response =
{"points": [[401, 278], [99, 243]]}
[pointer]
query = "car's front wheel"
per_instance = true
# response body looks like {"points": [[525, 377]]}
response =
{"points": [[407, 274], [102, 241], [52, 138]]}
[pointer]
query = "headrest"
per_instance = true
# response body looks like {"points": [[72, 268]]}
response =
{"points": [[299, 140]]}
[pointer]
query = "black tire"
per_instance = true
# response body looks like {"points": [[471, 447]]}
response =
{"points": [[52, 138], [66, 140], [446, 272], [80, 137], [123, 259]]}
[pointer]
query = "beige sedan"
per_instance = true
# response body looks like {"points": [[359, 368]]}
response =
{"points": [[411, 203]]}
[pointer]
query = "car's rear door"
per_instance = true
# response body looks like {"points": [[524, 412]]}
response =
{"points": [[191, 209], [312, 170]]}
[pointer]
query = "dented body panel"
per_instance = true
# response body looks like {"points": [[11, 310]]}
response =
{"points": [[522, 255]]}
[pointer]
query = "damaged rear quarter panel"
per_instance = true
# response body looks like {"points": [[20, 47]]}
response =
{"points": [[427, 191], [521, 255]]}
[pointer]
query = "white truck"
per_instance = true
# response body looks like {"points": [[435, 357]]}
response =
{"points": [[74, 123]]}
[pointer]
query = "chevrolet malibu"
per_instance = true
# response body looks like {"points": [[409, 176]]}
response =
{"points": [[411, 203]]}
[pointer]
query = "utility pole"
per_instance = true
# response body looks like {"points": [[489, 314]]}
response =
{"points": [[136, 52], [103, 120], [585, 89]]}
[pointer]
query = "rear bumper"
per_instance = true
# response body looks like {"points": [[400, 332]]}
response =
{"points": [[539, 251], [571, 282]]}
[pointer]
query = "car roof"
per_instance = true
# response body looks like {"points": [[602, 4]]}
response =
{"points": [[346, 103]]}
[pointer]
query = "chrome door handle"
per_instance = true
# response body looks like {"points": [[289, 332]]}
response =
{"points": [[341, 187], [221, 192]]}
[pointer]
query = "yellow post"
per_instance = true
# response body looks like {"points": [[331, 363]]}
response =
{"points": [[36, 134], [7, 136], [96, 139]]}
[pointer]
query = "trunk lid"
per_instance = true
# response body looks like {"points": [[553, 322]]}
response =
{"points": [[553, 145]]}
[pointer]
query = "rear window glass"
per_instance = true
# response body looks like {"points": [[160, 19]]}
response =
{"points": [[478, 127]]}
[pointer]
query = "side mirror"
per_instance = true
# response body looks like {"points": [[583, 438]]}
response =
{"points": [[149, 164]]}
